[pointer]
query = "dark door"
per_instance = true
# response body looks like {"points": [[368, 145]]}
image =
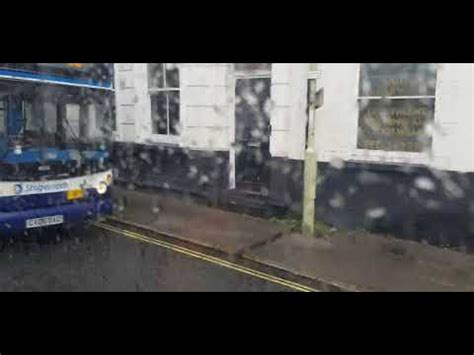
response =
{"points": [[252, 136]]}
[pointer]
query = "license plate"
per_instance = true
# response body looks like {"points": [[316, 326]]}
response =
{"points": [[44, 221], [75, 194]]}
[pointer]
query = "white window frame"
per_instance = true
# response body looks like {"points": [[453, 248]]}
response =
{"points": [[165, 138], [394, 157], [252, 74]]}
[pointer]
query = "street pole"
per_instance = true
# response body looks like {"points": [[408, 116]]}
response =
{"points": [[310, 161]]}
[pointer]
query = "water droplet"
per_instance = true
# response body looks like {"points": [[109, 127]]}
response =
{"points": [[376, 213]]}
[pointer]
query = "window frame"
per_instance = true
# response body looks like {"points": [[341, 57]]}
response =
{"points": [[251, 73], [385, 156], [153, 91]]}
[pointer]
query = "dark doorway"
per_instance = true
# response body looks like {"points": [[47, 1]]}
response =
{"points": [[252, 136]]}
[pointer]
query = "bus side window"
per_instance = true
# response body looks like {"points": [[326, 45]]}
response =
{"points": [[50, 119], [3, 126], [96, 121], [31, 123], [72, 123]]}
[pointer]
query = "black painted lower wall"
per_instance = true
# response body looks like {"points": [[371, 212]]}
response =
{"points": [[410, 202], [199, 173]]}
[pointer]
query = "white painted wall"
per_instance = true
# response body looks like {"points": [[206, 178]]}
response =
{"points": [[127, 99], [336, 122], [288, 116], [281, 110], [205, 106], [207, 113], [453, 142], [453, 138]]}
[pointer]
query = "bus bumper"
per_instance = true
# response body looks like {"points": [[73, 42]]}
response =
{"points": [[14, 223]]}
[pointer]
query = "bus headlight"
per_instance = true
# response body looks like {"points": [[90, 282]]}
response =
{"points": [[102, 188]]}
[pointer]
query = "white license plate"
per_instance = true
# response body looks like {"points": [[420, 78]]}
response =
{"points": [[44, 221]]}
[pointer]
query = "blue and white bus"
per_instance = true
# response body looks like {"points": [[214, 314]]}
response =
{"points": [[55, 123]]}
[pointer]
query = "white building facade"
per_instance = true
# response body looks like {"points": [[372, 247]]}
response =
{"points": [[402, 132]]}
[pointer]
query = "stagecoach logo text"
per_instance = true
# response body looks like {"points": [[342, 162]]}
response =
{"points": [[18, 189], [21, 189]]}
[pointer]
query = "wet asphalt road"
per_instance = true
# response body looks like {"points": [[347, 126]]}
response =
{"points": [[104, 261]]}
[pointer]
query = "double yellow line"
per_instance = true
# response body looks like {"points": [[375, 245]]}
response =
{"points": [[208, 258]]}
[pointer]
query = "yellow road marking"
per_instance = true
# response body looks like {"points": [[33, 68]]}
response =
{"points": [[208, 258]]}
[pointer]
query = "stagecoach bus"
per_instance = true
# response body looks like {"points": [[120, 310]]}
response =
{"points": [[55, 123]]}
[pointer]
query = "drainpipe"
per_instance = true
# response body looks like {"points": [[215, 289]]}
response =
{"points": [[316, 98]]}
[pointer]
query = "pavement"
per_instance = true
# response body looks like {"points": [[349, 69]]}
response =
{"points": [[185, 219], [346, 261]]}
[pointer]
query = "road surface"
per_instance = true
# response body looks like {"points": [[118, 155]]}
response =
{"points": [[103, 260]]}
